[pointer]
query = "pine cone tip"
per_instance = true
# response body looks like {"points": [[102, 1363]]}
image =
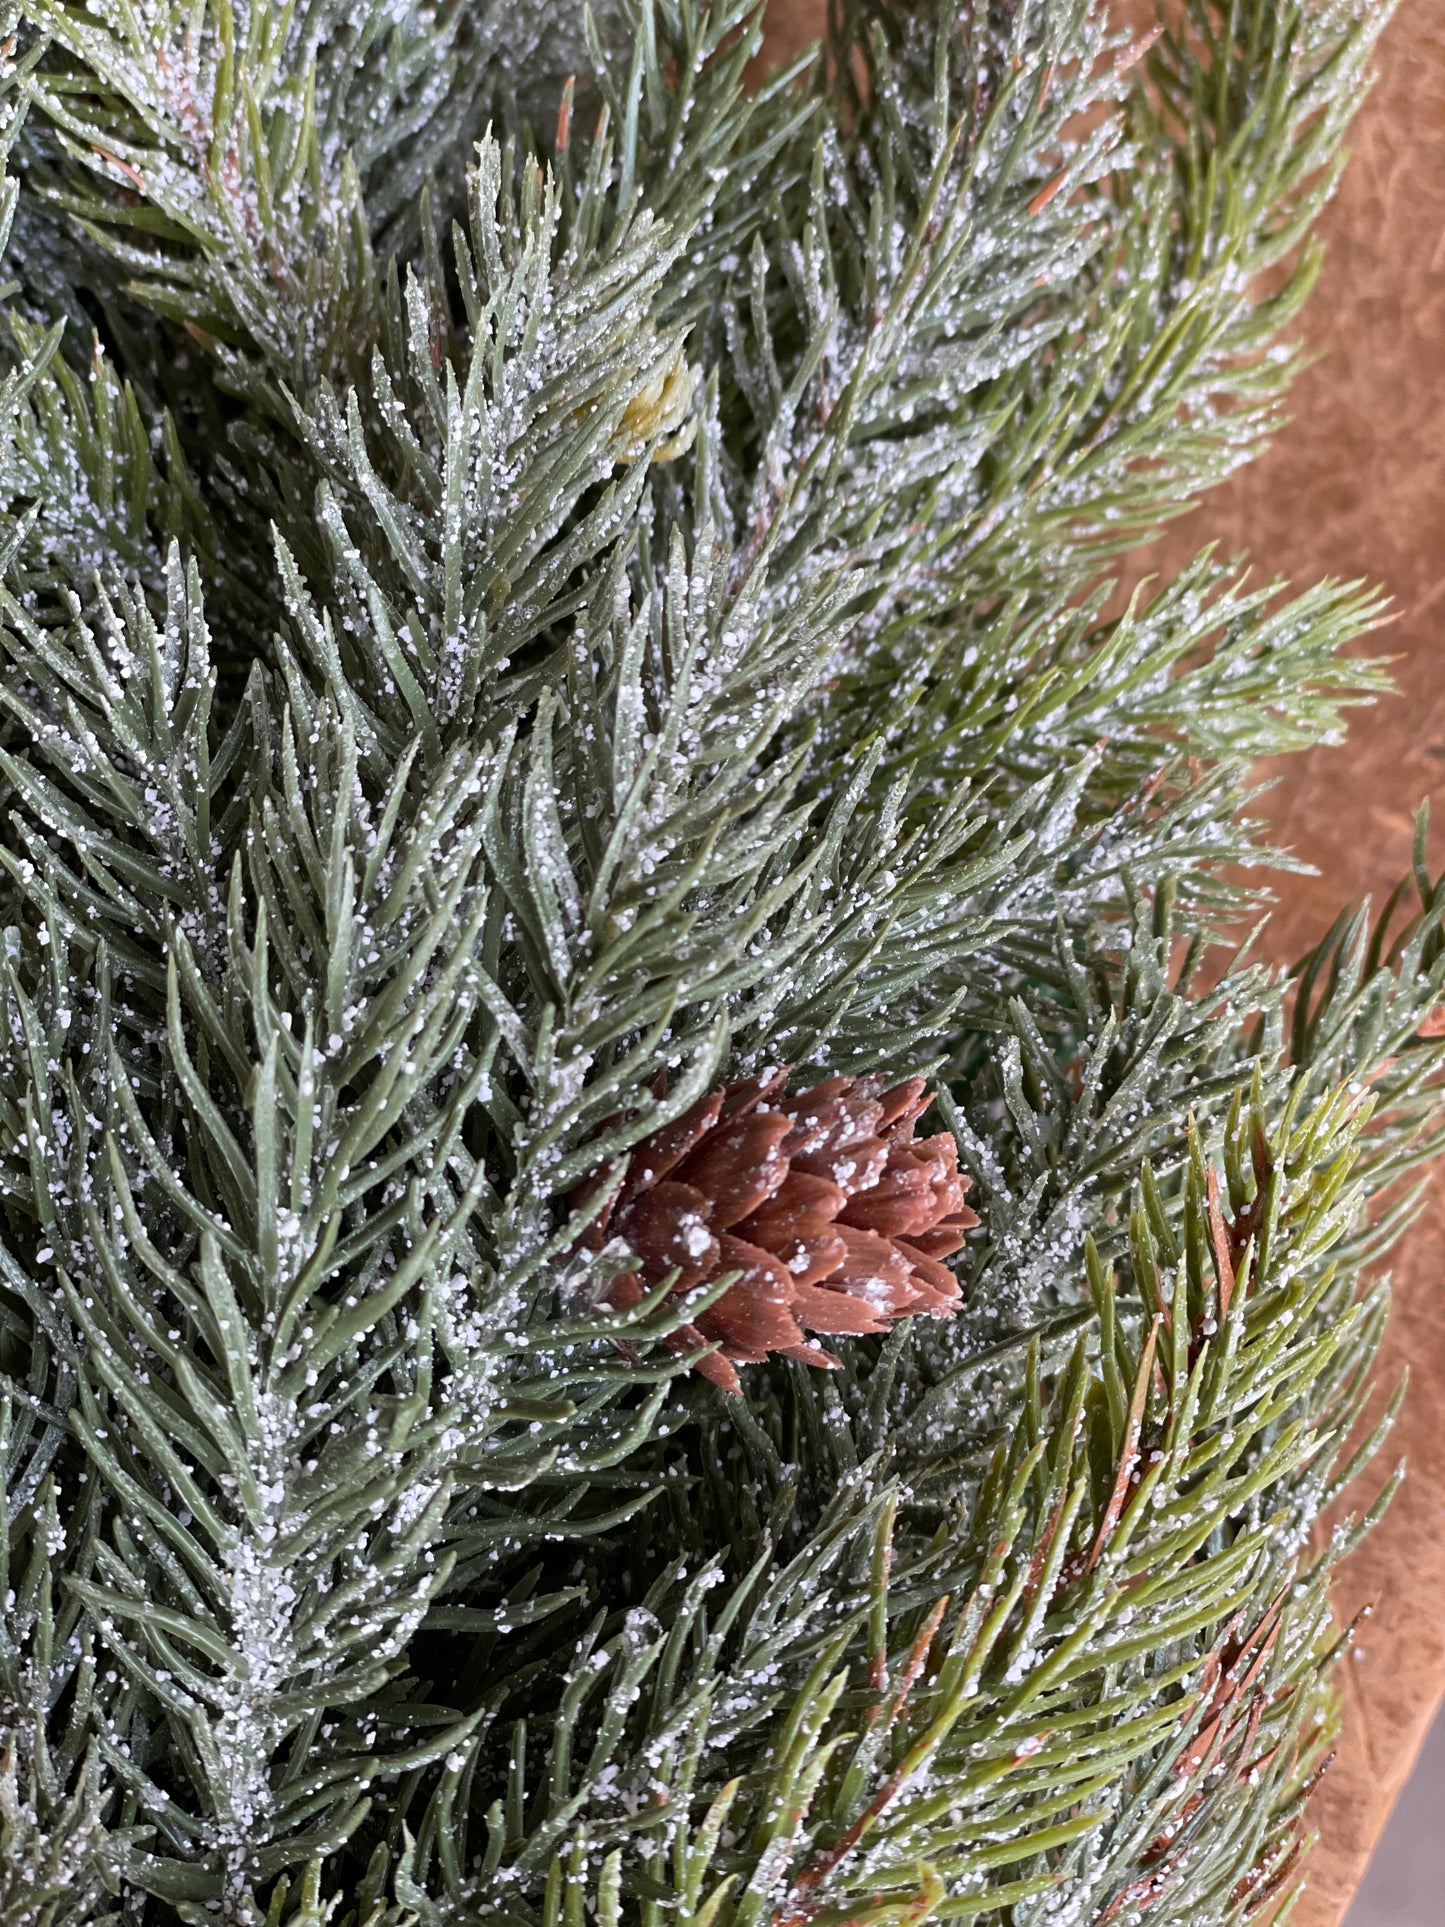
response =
{"points": [[835, 1218]]}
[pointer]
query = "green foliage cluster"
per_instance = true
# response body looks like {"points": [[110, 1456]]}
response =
{"points": [[540, 576]]}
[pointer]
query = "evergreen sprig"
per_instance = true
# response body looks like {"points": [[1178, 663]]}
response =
{"points": [[529, 597]]}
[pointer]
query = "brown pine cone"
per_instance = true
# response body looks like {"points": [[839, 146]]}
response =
{"points": [[835, 1216]]}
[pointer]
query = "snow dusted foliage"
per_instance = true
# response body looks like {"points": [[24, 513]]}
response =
{"points": [[542, 581]]}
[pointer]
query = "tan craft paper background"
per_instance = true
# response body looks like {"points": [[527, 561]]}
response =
{"points": [[1355, 486]]}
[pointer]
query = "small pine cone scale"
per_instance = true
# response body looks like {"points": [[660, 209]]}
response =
{"points": [[835, 1218]]}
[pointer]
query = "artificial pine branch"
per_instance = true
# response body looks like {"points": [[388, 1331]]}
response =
{"points": [[534, 601]]}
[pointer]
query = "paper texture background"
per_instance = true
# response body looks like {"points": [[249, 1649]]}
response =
{"points": [[1355, 487]]}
